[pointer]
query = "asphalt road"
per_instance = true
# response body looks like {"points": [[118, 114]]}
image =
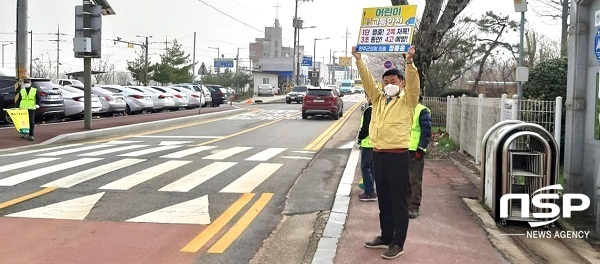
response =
{"points": [[210, 193]]}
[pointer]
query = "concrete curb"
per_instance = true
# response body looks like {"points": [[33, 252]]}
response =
{"points": [[327, 247], [112, 131]]}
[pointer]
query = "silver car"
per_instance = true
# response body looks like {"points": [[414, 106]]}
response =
{"points": [[194, 98], [111, 102], [136, 101], [265, 89], [160, 100], [194, 88], [74, 102], [180, 99]]}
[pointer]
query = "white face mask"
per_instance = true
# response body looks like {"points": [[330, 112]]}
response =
{"points": [[26, 85], [391, 89]]}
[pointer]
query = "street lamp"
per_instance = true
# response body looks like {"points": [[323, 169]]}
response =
{"points": [[218, 57], [3, 52], [522, 73], [298, 55], [316, 81]]}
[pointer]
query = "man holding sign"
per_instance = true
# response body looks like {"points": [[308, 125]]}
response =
{"points": [[28, 99], [391, 122]]}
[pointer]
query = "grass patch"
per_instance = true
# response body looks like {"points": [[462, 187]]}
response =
{"points": [[447, 144], [561, 176]]}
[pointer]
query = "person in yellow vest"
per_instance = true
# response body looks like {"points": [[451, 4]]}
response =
{"points": [[366, 155], [419, 139], [28, 98], [389, 132]]}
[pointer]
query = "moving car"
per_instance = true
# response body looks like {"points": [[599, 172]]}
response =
{"points": [[265, 89], [323, 101], [135, 100], [297, 94], [74, 102], [347, 87]]}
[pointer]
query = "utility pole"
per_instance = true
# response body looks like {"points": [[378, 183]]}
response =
{"points": [[295, 24], [237, 61], [346, 53], [522, 72], [87, 66], [22, 26], [30, 52], [166, 42], [58, 40], [146, 63], [194, 60]]}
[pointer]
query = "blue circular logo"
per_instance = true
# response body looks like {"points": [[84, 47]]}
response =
{"points": [[387, 64]]}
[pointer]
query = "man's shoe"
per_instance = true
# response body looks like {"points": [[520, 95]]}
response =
{"points": [[377, 243], [31, 138], [393, 252], [367, 198], [412, 214]]}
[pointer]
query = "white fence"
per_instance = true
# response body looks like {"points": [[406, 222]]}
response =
{"points": [[468, 118]]}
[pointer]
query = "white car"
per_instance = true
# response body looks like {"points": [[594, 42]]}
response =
{"points": [[160, 100], [136, 101], [265, 89], [74, 102], [195, 99]]}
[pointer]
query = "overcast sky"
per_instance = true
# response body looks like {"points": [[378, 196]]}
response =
{"points": [[180, 18]]}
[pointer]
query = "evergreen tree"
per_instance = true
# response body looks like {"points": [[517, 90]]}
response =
{"points": [[174, 67]]}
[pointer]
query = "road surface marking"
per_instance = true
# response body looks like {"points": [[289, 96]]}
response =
{"points": [[23, 164], [266, 154], [25, 197], [296, 157], [189, 212], [145, 175], [148, 151], [348, 145], [112, 150], [198, 177], [243, 131], [39, 150], [187, 152], [199, 137], [303, 151], [241, 225], [25, 176], [320, 141], [73, 150], [74, 209], [201, 239], [226, 153], [169, 143], [120, 142], [77, 178], [251, 179]]}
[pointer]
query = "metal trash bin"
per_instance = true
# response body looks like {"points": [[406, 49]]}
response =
{"points": [[517, 157]]}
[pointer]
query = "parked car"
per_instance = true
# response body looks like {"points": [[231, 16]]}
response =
{"points": [[208, 97], [69, 82], [196, 88], [297, 94], [112, 103], [227, 95], [135, 100], [75, 102], [265, 89], [322, 101], [160, 100], [51, 102], [180, 99], [195, 99], [218, 97]]}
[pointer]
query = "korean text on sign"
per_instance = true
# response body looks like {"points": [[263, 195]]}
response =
{"points": [[387, 29]]}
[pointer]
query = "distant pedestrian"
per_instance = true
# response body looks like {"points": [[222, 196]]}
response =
{"points": [[28, 98], [389, 132], [419, 139], [366, 156]]}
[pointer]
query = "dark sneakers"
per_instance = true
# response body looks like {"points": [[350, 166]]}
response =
{"points": [[377, 243], [393, 252], [412, 214], [367, 198]]}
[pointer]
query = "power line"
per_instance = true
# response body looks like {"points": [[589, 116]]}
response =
{"points": [[244, 23]]}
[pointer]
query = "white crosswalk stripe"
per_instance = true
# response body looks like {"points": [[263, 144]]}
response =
{"points": [[187, 152], [39, 150], [198, 177], [25, 176], [111, 150], [74, 209], [92, 173], [148, 151], [74, 150], [226, 153], [145, 175], [266, 154], [247, 182], [26, 163]]}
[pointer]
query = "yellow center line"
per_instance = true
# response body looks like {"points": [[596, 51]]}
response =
{"points": [[26, 197], [324, 137], [200, 240], [241, 224], [245, 131]]}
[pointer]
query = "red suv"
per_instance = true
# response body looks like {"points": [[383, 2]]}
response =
{"points": [[323, 101]]}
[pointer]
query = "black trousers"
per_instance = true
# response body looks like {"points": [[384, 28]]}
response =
{"points": [[392, 183], [31, 121]]}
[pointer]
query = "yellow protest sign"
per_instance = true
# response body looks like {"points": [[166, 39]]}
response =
{"points": [[345, 61], [387, 29], [20, 118]]}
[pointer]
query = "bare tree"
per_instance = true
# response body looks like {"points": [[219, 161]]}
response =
{"points": [[556, 9], [539, 48], [123, 78], [107, 65], [43, 66]]}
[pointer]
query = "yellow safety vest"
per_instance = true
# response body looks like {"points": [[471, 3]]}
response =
{"points": [[366, 142], [28, 100], [415, 134]]}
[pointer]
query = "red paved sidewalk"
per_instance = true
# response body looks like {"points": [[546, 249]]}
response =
{"points": [[445, 232], [9, 137]]}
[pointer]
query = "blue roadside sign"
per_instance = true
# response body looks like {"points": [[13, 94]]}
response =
{"points": [[388, 64], [597, 44], [223, 63], [306, 61]]}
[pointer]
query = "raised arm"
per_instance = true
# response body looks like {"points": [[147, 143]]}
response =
{"points": [[367, 79], [413, 83]]}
